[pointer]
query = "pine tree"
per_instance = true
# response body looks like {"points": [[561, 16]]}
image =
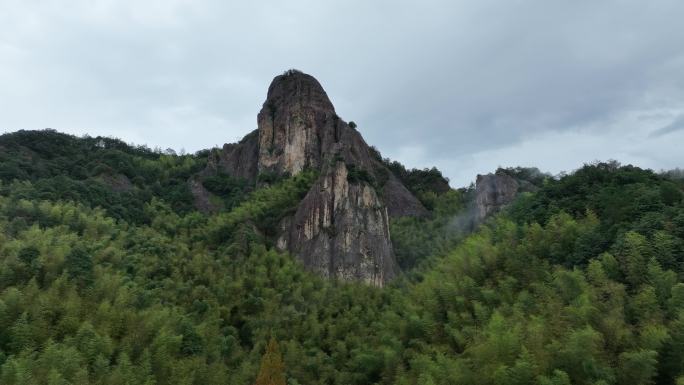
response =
{"points": [[272, 371]]}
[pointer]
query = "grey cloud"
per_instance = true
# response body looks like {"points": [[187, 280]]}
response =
{"points": [[676, 125], [425, 81]]}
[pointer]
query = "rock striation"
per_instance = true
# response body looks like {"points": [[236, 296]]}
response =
{"points": [[341, 227], [341, 230]]}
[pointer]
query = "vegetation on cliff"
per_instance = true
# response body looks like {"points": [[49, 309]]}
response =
{"points": [[106, 282]]}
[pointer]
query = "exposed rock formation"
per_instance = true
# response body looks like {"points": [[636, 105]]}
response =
{"points": [[237, 159], [493, 192], [204, 200], [341, 228], [298, 129], [297, 125], [399, 200]]}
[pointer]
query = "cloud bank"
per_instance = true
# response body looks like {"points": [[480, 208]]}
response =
{"points": [[463, 85]]}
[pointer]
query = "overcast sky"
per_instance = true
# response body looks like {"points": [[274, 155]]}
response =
{"points": [[462, 85]]}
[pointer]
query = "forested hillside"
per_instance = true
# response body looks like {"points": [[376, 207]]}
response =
{"points": [[109, 276]]}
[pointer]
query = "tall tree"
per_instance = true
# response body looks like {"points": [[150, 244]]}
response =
{"points": [[272, 371]]}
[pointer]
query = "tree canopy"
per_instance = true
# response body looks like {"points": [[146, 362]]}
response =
{"points": [[579, 282]]}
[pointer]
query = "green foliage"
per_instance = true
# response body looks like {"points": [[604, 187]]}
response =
{"points": [[357, 175], [526, 174], [232, 190], [79, 267], [269, 177], [105, 172], [416, 239], [580, 283], [264, 208], [418, 181]]}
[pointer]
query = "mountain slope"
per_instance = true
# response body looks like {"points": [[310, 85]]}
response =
{"points": [[100, 171], [191, 298]]}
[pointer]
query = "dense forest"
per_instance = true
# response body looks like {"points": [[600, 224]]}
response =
{"points": [[109, 276]]}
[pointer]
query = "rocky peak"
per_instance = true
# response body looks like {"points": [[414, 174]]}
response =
{"points": [[493, 192], [341, 228], [295, 122], [295, 88]]}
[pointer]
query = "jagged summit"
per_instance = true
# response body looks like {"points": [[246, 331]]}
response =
{"points": [[341, 227]]}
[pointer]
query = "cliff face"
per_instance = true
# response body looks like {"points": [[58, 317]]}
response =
{"points": [[237, 159], [298, 129], [492, 193], [341, 228], [297, 123]]}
